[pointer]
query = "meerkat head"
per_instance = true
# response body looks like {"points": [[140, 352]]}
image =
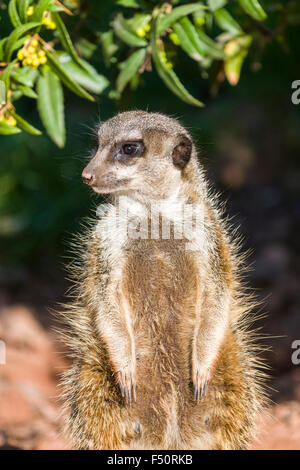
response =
{"points": [[139, 152]]}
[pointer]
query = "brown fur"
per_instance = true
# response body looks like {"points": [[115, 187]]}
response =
{"points": [[153, 311]]}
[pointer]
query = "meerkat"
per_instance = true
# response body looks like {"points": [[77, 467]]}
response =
{"points": [[157, 325]]}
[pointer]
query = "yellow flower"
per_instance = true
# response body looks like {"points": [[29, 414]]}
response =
{"points": [[29, 11], [141, 32], [32, 55], [165, 59], [200, 21], [11, 121], [35, 62], [174, 39], [48, 22]]}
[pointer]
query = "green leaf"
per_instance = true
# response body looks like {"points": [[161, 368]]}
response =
{"points": [[25, 125], [166, 74], [23, 7], [209, 21], [16, 95], [235, 45], [40, 8], [25, 75], [84, 74], [29, 92], [236, 51], [199, 17], [139, 20], [185, 42], [85, 48], [59, 70], [65, 38], [216, 4], [20, 42], [2, 93], [129, 68], [167, 20], [126, 33], [13, 13], [108, 46], [233, 65], [130, 3], [14, 36], [254, 9], [192, 34], [2, 44], [5, 76], [227, 22], [51, 106], [5, 129], [134, 82], [56, 8], [208, 45]]}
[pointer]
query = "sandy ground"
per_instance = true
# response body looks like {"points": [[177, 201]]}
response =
{"points": [[30, 408]]}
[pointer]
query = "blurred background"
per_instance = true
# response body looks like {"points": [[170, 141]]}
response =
{"points": [[248, 138]]}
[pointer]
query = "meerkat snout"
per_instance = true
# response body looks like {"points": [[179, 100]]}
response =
{"points": [[87, 178], [139, 152]]}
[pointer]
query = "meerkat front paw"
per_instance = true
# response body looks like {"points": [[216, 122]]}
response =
{"points": [[200, 379], [127, 381]]}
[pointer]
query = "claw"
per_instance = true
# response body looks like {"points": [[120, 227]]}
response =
{"points": [[134, 391], [126, 393], [127, 386], [121, 387], [200, 383], [195, 391]]}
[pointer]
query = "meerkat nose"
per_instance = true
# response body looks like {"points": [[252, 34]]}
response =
{"points": [[87, 178]]}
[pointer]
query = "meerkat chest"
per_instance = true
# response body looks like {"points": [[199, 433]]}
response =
{"points": [[155, 275], [159, 277]]}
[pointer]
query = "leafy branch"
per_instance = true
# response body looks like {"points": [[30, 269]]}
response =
{"points": [[38, 58], [31, 66]]}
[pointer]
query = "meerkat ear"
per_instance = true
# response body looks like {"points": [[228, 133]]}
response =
{"points": [[182, 151]]}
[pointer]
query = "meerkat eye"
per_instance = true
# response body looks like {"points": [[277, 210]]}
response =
{"points": [[129, 149]]}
